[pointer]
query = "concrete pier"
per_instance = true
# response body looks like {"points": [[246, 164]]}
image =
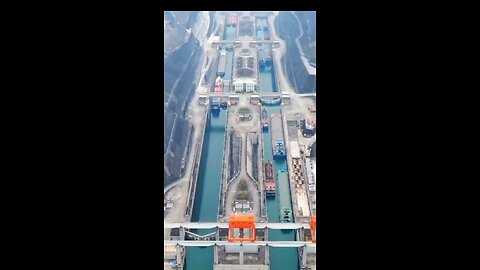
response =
{"points": [[194, 178], [224, 169]]}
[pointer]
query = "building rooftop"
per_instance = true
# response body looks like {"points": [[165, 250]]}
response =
{"points": [[294, 149]]}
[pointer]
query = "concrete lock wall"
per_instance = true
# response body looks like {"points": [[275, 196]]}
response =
{"points": [[311, 249], [245, 249], [249, 155]]}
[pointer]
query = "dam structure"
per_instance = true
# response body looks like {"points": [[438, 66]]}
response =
{"points": [[244, 202]]}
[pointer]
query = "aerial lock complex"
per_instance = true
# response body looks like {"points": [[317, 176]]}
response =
{"points": [[240, 150]]}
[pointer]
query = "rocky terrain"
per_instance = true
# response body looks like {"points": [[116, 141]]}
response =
{"points": [[308, 40], [184, 33], [301, 74]]}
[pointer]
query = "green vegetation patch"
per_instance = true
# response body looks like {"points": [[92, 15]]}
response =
{"points": [[243, 193], [244, 196], [242, 186]]}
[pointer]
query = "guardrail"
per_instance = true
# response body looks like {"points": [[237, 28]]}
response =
{"points": [[260, 176], [224, 225], [285, 244]]}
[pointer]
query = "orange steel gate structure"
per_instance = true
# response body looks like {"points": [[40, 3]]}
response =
{"points": [[248, 222]]}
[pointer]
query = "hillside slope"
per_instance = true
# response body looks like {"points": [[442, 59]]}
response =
{"points": [[181, 62], [298, 71]]}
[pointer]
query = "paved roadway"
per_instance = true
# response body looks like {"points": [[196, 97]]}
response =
{"points": [[307, 95]]}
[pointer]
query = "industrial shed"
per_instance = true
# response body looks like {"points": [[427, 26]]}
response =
{"points": [[294, 149]]}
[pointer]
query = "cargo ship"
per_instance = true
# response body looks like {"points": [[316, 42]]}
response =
{"points": [[222, 63], [224, 104], [261, 57], [215, 105], [268, 55], [218, 85], [259, 25], [278, 142], [266, 34], [264, 116], [261, 60], [265, 57], [284, 197], [270, 186], [262, 65]]}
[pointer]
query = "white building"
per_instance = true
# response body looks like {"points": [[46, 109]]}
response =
{"points": [[294, 149], [244, 85]]}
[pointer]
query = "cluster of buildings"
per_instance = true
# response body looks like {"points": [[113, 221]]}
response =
{"points": [[242, 207], [247, 85]]}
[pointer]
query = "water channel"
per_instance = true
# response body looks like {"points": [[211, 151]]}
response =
{"points": [[208, 188], [266, 76], [210, 176]]}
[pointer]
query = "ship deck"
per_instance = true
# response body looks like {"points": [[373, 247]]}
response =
{"points": [[276, 127], [283, 188]]}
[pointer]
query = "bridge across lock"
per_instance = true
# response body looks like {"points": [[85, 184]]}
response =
{"points": [[242, 222], [207, 194], [253, 42]]}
